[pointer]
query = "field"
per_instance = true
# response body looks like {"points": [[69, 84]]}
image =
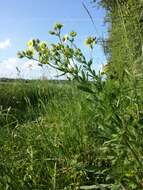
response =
{"points": [[44, 141], [85, 133], [55, 136]]}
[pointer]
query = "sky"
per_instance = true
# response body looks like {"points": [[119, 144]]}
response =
{"points": [[21, 21]]}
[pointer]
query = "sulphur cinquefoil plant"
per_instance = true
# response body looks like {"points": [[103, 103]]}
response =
{"points": [[115, 160], [64, 56]]}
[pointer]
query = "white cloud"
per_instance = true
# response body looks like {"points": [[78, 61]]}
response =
{"points": [[16, 68], [5, 44]]}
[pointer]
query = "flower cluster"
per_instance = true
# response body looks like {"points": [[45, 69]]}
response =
{"points": [[64, 55]]}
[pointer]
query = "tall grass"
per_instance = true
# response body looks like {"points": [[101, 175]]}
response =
{"points": [[54, 136], [46, 146]]}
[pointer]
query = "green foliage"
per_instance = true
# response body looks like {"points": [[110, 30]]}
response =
{"points": [[116, 102], [124, 45], [89, 139]]}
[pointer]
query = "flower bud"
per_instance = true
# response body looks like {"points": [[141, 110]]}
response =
{"points": [[58, 26], [52, 33], [20, 55]]}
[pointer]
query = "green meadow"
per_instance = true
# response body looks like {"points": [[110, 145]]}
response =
{"points": [[44, 141], [86, 132]]}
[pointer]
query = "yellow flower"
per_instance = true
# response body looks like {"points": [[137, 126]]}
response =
{"points": [[65, 38], [42, 45], [30, 44], [73, 34], [90, 41]]}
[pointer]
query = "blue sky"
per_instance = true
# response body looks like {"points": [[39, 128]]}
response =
{"points": [[21, 21]]}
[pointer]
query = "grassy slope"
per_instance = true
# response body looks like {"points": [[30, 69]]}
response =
{"points": [[44, 139]]}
